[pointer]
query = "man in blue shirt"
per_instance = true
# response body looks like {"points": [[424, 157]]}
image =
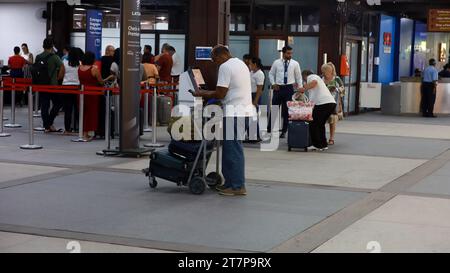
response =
{"points": [[429, 84]]}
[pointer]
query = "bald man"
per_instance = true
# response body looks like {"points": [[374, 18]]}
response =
{"points": [[234, 89]]}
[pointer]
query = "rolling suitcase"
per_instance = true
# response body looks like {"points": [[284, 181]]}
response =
{"points": [[298, 135], [165, 165], [164, 110]]}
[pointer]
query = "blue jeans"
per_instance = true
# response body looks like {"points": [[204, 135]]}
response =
{"points": [[233, 161]]}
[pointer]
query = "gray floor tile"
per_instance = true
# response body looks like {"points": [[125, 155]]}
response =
{"points": [[122, 205]]}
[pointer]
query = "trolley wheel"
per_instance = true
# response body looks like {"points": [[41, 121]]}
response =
{"points": [[289, 148], [197, 185], [306, 150], [214, 179], [152, 182]]}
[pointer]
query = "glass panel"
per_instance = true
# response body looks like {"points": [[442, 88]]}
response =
{"points": [[304, 19], [239, 46], [155, 21], [354, 63], [364, 52], [352, 97], [240, 17], [306, 51], [111, 20], [268, 51], [269, 17], [406, 38], [370, 62], [178, 41]]}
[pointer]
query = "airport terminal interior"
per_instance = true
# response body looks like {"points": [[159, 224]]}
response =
{"points": [[92, 181]]}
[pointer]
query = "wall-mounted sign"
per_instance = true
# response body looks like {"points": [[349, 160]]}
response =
{"points": [[439, 20], [94, 20], [387, 42], [203, 53]]}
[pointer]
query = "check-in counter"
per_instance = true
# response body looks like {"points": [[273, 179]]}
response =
{"points": [[404, 97]]}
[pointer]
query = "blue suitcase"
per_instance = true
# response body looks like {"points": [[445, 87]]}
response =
{"points": [[298, 135]]}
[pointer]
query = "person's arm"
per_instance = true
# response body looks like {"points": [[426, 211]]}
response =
{"points": [[308, 86], [31, 59], [223, 83], [219, 93], [62, 72], [96, 73], [272, 76], [259, 89]]}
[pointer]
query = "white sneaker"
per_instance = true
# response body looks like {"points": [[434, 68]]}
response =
{"points": [[324, 149], [312, 148]]}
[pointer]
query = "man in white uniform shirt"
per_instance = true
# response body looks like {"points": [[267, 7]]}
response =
{"points": [[285, 76], [177, 67], [233, 88]]}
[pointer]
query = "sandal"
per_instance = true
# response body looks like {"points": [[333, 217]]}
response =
{"points": [[331, 142]]}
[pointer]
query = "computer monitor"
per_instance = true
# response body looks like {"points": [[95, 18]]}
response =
{"points": [[196, 78]]}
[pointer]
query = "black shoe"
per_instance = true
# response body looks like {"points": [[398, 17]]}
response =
{"points": [[283, 135]]}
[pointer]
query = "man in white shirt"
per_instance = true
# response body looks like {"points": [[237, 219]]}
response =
{"points": [[233, 88], [177, 67], [285, 76]]}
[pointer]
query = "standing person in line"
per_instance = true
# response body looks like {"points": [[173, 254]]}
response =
{"points": [[148, 51], [106, 62], [16, 63], [247, 58], [52, 64], [69, 74], [335, 85], [177, 67], [164, 63], [28, 56], [233, 87], [429, 85], [325, 105], [258, 79], [285, 76], [89, 75], [65, 53]]}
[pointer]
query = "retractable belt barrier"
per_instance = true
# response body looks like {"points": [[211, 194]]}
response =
{"points": [[13, 85]]}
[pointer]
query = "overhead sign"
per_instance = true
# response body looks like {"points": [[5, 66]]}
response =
{"points": [[94, 20], [439, 20]]}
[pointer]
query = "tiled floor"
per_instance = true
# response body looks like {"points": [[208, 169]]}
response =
{"points": [[105, 204]]}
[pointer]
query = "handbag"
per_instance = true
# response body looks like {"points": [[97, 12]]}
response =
{"points": [[300, 110]]}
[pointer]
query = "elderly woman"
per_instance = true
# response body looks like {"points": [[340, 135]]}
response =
{"points": [[325, 105], [335, 85]]}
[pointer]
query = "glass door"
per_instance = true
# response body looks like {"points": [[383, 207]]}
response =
{"points": [[353, 53], [266, 48]]}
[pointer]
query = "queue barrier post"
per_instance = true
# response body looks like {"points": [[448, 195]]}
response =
{"points": [[2, 134], [80, 118], [36, 106], [30, 145], [154, 144], [107, 123], [146, 127], [13, 123]]}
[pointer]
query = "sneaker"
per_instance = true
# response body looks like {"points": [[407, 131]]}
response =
{"points": [[231, 192], [220, 187], [312, 148]]}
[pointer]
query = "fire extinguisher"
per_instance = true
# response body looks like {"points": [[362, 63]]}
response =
{"points": [[345, 67]]}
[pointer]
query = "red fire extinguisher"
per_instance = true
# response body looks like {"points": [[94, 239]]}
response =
{"points": [[345, 67]]}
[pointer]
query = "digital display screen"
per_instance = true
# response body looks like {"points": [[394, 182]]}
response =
{"points": [[203, 53]]}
